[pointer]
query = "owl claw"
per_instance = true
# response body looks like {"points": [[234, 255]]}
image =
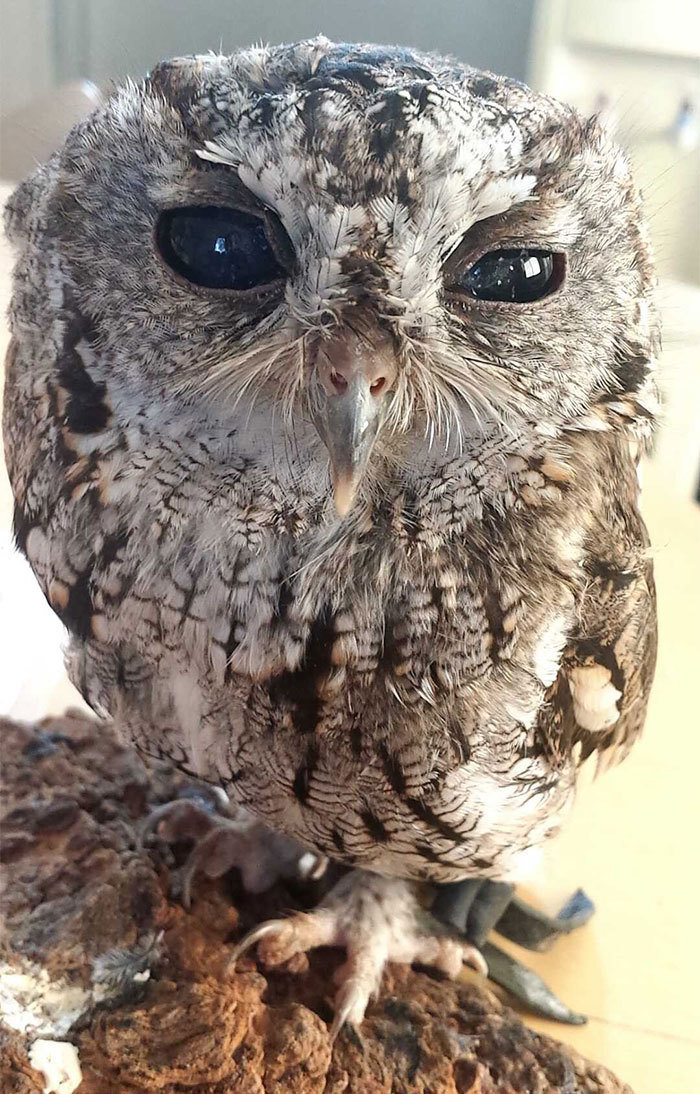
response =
{"points": [[253, 936], [377, 920], [212, 855], [351, 1003], [353, 1035]]}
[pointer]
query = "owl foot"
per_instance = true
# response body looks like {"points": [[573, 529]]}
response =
{"points": [[377, 920], [225, 837], [477, 906]]}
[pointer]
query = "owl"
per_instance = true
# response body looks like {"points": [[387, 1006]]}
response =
{"points": [[330, 370]]}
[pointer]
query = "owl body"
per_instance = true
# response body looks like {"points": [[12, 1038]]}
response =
{"points": [[410, 685]]}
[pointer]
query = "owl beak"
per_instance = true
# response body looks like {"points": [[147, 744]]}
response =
{"points": [[356, 382]]}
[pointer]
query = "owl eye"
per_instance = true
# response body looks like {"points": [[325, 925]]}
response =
{"points": [[217, 248], [518, 276]]}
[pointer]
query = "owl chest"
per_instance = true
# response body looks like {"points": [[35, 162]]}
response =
{"points": [[328, 609], [428, 621]]}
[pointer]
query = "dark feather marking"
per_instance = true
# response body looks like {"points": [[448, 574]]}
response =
{"points": [[609, 572], [86, 410], [392, 769], [430, 854], [112, 545], [347, 55], [309, 113], [65, 455], [422, 810], [264, 114], [79, 610], [304, 773], [298, 691], [494, 614], [391, 650], [484, 87], [356, 737], [230, 648], [21, 527], [285, 597], [374, 826], [403, 189], [632, 370], [358, 75], [192, 589]]}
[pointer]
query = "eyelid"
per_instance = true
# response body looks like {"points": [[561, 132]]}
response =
{"points": [[279, 240], [471, 255]]}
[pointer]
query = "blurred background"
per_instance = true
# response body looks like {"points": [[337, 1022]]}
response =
{"points": [[634, 970]]}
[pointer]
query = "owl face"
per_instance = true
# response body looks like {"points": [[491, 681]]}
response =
{"points": [[383, 256]]}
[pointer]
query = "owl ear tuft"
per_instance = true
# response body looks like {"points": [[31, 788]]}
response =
{"points": [[23, 205], [181, 79]]}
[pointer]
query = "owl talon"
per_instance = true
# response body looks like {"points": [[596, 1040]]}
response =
{"points": [[351, 1003], [213, 855], [377, 920], [255, 935], [354, 1036]]}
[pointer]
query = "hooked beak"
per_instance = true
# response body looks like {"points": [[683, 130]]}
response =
{"points": [[356, 377]]}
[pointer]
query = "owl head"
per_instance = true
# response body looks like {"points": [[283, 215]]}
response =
{"points": [[379, 255]]}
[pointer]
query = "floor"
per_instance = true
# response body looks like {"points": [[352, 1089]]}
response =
{"points": [[632, 840]]}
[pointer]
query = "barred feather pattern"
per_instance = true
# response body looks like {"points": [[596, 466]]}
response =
{"points": [[412, 688]]}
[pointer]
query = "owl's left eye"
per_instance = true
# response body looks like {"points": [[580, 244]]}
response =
{"points": [[518, 275], [217, 248]]}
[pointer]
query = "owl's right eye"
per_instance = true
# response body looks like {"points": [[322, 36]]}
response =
{"points": [[217, 248]]}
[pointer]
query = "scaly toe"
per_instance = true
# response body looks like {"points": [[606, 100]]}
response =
{"points": [[378, 920], [449, 955]]}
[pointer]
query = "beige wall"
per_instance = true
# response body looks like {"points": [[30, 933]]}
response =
{"points": [[108, 39], [26, 61], [645, 74]]}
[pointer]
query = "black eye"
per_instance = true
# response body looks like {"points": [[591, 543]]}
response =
{"points": [[217, 248], [518, 276]]}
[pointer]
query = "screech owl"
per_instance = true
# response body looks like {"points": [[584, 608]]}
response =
{"points": [[330, 370]]}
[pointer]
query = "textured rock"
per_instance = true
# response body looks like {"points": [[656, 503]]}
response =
{"points": [[166, 1015]]}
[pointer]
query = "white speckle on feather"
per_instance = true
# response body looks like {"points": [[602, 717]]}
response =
{"points": [[595, 697], [549, 650]]}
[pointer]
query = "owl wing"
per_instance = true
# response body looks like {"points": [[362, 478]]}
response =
{"points": [[599, 699]]}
